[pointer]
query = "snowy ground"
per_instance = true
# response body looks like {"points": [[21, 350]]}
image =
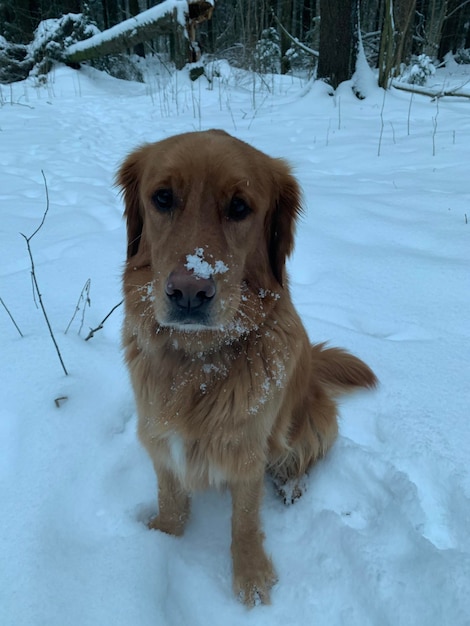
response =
{"points": [[381, 267]]}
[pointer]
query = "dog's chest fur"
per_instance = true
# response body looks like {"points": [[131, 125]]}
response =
{"points": [[208, 416]]}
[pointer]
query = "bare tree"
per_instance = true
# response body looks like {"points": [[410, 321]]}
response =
{"points": [[434, 21]]}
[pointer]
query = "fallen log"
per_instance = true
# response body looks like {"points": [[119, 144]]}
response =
{"points": [[177, 17]]}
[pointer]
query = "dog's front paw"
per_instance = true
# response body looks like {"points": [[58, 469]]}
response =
{"points": [[253, 579], [169, 525]]}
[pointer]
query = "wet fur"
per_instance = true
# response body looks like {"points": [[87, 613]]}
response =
{"points": [[220, 406]]}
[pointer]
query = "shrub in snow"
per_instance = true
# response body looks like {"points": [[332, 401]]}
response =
{"points": [[53, 36], [462, 56], [299, 59], [267, 54], [15, 63], [196, 70], [419, 71], [219, 68]]}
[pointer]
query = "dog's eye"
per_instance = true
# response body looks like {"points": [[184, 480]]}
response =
{"points": [[163, 200], [238, 209]]}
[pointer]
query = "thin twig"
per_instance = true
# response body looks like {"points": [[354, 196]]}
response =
{"points": [[45, 212], [34, 279], [11, 317], [382, 124], [101, 324], [434, 121], [84, 296], [409, 112]]}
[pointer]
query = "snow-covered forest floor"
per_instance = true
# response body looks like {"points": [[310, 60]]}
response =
{"points": [[381, 267]]}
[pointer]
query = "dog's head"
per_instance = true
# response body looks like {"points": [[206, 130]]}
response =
{"points": [[213, 219]]}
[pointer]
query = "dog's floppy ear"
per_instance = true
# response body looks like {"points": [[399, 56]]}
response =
{"points": [[281, 229], [128, 178]]}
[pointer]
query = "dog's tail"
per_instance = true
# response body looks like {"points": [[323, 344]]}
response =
{"points": [[339, 371]]}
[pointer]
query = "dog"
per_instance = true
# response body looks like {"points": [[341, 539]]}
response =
{"points": [[226, 382]]}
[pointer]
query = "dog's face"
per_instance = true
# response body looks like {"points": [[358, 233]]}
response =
{"points": [[213, 219]]}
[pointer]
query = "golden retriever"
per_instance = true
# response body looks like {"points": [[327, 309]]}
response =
{"points": [[226, 382]]}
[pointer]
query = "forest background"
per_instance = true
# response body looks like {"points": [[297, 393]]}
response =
{"points": [[401, 38]]}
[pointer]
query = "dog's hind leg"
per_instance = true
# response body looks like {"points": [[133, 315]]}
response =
{"points": [[313, 429], [313, 426]]}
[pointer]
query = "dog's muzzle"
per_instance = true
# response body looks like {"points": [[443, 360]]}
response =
{"points": [[189, 298]]}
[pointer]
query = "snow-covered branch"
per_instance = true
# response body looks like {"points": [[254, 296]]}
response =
{"points": [[294, 40]]}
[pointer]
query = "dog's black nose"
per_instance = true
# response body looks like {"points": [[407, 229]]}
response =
{"points": [[189, 292]]}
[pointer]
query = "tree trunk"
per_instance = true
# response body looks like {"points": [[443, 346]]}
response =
{"points": [[395, 42], [434, 22], [337, 41], [134, 10], [110, 13], [285, 16], [387, 46], [404, 16]]}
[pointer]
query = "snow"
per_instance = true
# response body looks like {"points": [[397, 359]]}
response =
{"points": [[202, 268], [381, 267]]}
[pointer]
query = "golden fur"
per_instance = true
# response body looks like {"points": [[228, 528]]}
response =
{"points": [[226, 381]]}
